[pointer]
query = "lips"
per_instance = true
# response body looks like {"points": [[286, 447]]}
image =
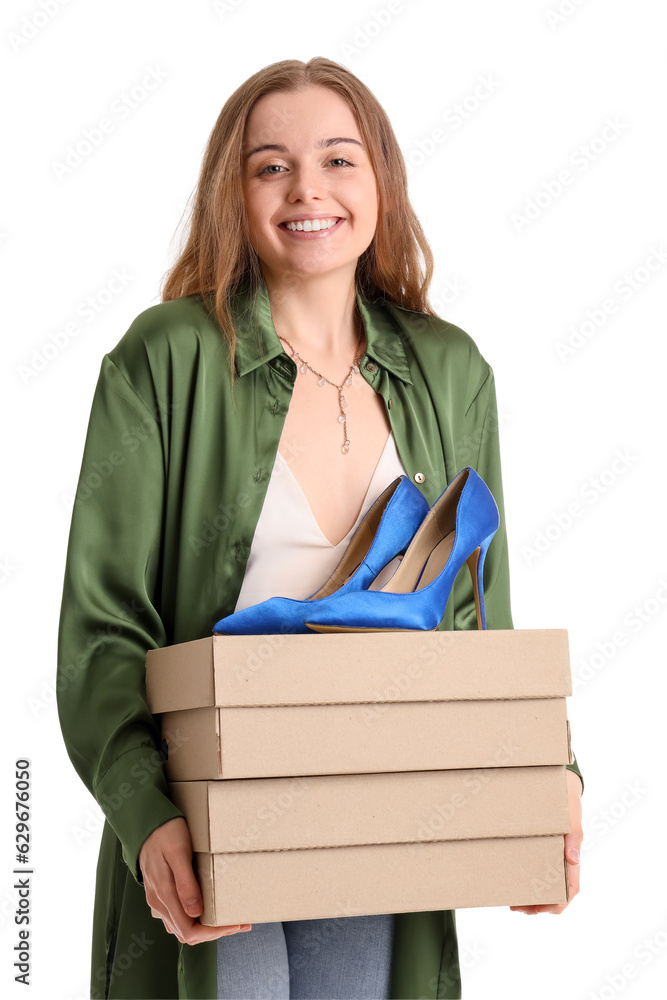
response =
{"points": [[321, 233]]}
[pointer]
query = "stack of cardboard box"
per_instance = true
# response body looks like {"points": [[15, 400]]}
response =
{"points": [[340, 774]]}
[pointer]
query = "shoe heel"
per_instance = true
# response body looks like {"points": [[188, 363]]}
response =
{"points": [[464, 515], [475, 563]]}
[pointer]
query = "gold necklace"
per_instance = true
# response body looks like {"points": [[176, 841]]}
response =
{"points": [[323, 380]]}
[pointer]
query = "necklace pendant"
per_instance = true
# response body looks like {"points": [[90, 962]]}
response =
{"points": [[341, 419], [355, 369], [346, 447], [348, 381], [322, 381], [303, 368]]}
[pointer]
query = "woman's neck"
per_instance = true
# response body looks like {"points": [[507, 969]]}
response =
{"points": [[317, 315]]}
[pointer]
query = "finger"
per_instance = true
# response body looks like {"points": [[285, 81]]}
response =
{"points": [[185, 882], [573, 879], [187, 929], [573, 841], [171, 903], [573, 849], [155, 881], [541, 908], [572, 846], [202, 932], [175, 873], [168, 925], [161, 914]]}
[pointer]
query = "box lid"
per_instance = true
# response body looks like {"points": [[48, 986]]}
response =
{"points": [[351, 667], [273, 814]]}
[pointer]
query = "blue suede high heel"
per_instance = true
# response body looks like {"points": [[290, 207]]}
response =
{"points": [[458, 528], [384, 532]]}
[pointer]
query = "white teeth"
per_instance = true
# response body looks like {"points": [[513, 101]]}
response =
{"points": [[311, 225]]}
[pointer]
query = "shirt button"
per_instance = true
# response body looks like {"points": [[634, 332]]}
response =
{"points": [[420, 477], [389, 402], [370, 367]]}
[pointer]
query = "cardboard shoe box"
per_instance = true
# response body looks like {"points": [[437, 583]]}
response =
{"points": [[376, 772], [338, 703], [270, 849]]}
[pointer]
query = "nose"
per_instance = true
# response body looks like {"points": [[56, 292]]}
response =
{"points": [[306, 183]]}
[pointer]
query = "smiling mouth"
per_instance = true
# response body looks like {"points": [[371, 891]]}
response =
{"points": [[311, 225]]}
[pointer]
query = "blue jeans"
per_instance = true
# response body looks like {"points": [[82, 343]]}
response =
{"points": [[335, 958]]}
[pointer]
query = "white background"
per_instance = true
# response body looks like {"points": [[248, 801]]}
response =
{"points": [[586, 428]]}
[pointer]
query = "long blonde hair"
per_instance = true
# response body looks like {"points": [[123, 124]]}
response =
{"points": [[218, 256]]}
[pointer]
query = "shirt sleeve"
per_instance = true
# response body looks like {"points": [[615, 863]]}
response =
{"points": [[110, 617], [481, 425]]}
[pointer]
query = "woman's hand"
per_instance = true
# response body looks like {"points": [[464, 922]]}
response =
{"points": [[171, 887], [573, 841]]}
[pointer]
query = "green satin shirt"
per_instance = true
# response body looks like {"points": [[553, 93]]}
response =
{"points": [[171, 485]]}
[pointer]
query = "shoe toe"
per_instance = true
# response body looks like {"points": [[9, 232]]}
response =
{"points": [[278, 615]]}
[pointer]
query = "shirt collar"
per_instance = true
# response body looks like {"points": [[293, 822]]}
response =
{"points": [[257, 341]]}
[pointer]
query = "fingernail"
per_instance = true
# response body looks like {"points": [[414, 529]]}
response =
{"points": [[573, 855]]}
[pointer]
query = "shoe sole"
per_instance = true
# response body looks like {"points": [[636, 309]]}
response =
{"points": [[348, 628]]}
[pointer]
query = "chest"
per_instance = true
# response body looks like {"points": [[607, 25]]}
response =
{"points": [[334, 483]]}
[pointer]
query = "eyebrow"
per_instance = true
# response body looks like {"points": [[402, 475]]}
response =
{"points": [[322, 144]]}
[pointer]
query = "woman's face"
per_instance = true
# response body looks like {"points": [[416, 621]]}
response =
{"points": [[305, 179]]}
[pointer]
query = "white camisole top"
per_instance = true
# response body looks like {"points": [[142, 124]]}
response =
{"points": [[290, 555]]}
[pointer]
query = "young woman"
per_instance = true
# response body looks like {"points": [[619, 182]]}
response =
{"points": [[221, 467]]}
